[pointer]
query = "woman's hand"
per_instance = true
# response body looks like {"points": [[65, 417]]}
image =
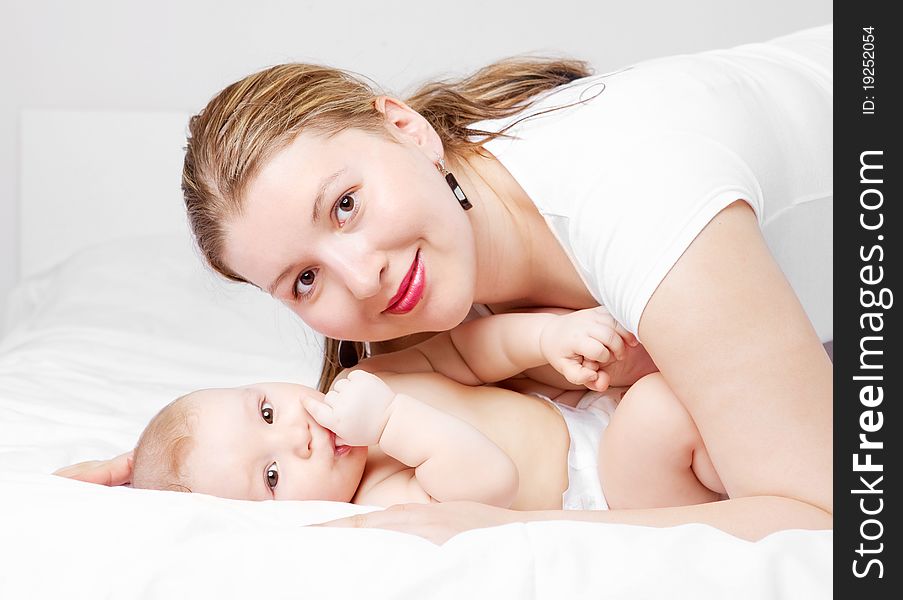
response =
{"points": [[436, 522], [115, 471], [439, 523]]}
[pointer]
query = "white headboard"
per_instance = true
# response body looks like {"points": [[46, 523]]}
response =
{"points": [[92, 176]]}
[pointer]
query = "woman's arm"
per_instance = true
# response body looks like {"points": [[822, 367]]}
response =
{"points": [[438, 523], [730, 336], [737, 348]]}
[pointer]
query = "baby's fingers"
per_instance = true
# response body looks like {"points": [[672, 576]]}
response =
{"points": [[595, 350], [591, 364], [577, 373], [612, 340], [362, 375], [601, 383], [322, 412], [628, 337]]}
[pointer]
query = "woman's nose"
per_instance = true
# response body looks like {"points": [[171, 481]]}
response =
{"points": [[362, 270]]}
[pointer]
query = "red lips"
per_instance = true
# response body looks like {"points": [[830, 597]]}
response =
{"points": [[410, 291]]}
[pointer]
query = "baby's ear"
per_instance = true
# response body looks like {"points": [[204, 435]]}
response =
{"points": [[177, 487]]}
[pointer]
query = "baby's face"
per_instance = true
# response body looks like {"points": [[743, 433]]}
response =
{"points": [[259, 443]]}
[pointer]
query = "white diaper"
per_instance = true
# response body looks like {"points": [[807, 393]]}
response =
{"points": [[585, 426]]}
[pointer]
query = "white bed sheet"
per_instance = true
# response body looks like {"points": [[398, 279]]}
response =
{"points": [[99, 343]]}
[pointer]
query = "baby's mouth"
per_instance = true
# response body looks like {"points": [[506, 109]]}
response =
{"points": [[338, 450]]}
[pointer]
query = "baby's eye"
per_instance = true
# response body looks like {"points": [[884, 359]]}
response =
{"points": [[345, 208], [267, 412], [272, 475], [305, 283]]}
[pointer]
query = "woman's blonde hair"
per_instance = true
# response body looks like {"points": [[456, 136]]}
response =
{"points": [[250, 120]]}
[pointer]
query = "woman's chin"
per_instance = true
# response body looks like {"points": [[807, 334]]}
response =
{"points": [[446, 314]]}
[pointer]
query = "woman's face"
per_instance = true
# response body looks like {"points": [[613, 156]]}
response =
{"points": [[359, 235]]}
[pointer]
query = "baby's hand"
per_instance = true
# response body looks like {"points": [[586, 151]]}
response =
{"points": [[579, 343], [356, 409]]}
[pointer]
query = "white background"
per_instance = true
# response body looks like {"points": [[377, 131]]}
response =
{"points": [[175, 54]]}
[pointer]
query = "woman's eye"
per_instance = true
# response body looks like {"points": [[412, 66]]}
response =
{"points": [[267, 412], [345, 208], [272, 475], [305, 283]]}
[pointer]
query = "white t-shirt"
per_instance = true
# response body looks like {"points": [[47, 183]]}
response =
{"points": [[629, 177]]}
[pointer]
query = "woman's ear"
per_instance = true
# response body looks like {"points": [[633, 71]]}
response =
{"points": [[406, 124]]}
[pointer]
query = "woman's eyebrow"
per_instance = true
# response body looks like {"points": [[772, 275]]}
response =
{"points": [[271, 290], [321, 193], [314, 219]]}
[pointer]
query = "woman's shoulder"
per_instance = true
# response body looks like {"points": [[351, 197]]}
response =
{"points": [[708, 91]]}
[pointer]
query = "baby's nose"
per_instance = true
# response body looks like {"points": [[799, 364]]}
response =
{"points": [[301, 441]]}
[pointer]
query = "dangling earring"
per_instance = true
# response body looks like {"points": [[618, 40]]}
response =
{"points": [[348, 356], [453, 184]]}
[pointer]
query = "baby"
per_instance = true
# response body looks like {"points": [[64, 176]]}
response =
{"points": [[418, 425]]}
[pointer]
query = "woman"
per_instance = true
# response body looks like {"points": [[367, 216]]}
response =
{"points": [[654, 191]]}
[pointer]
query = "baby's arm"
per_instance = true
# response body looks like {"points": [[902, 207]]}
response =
{"points": [[452, 459], [495, 348], [576, 344]]}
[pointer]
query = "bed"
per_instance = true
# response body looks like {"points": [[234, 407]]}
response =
{"points": [[115, 316]]}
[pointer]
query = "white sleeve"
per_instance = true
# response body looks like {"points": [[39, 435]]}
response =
{"points": [[649, 206]]}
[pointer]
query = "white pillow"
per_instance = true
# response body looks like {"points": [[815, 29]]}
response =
{"points": [[158, 286], [101, 342]]}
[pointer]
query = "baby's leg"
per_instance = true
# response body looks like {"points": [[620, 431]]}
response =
{"points": [[651, 453]]}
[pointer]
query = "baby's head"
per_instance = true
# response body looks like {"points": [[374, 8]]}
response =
{"points": [[251, 443]]}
